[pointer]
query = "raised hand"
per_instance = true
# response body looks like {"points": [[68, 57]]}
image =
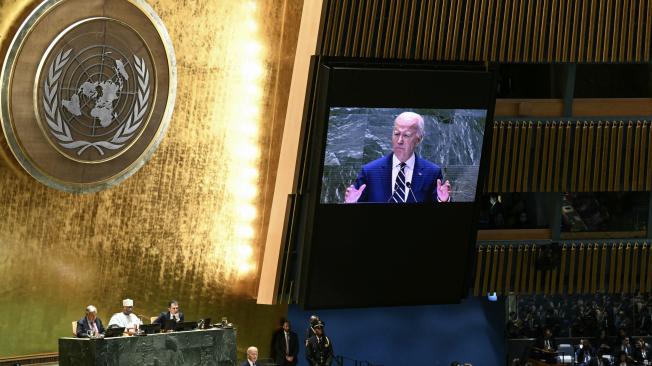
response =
{"points": [[443, 191], [352, 195]]}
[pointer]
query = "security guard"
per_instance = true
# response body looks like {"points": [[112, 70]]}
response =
{"points": [[314, 319], [319, 351]]}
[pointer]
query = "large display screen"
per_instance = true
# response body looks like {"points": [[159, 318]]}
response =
{"points": [[441, 150], [391, 165]]}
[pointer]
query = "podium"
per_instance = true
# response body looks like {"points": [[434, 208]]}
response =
{"points": [[214, 347]]}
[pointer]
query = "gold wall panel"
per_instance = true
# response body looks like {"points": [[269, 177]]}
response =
{"points": [[171, 230]]}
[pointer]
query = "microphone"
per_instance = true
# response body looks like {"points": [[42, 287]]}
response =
{"points": [[409, 186], [141, 316]]}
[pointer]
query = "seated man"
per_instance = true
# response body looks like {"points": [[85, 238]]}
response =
{"points": [[173, 313], [545, 348], [626, 347], [586, 356], [126, 319], [90, 323]]}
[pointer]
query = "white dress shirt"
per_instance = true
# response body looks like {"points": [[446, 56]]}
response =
{"points": [[409, 168], [126, 321]]}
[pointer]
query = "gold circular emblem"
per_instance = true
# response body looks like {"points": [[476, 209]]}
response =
{"points": [[87, 91]]}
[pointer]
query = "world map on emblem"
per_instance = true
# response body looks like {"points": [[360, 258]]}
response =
{"points": [[96, 92], [103, 94], [87, 92]]}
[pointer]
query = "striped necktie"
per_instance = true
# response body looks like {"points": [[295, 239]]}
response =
{"points": [[399, 186]]}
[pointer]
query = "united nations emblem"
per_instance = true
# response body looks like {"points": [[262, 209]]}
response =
{"points": [[102, 91], [96, 95]]}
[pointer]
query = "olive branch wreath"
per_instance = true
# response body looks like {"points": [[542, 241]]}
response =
{"points": [[60, 129]]}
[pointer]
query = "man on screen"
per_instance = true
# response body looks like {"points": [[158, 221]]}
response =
{"points": [[401, 176]]}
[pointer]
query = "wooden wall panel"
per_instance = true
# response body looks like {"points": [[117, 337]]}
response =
{"points": [[584, 268], [489, 30], [563, 156]]}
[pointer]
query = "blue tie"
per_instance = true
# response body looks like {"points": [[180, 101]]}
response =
{"points": [[399, 186]]}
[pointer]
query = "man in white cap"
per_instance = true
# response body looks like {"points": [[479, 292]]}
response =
{"points": [[126, 318], [90, 324]]}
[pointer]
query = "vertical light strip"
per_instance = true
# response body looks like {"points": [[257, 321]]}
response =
{"points": [[241, 144], [283, 185], [247, 152]]}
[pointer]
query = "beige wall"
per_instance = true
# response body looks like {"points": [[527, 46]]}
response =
{"points": [[171, 230]]}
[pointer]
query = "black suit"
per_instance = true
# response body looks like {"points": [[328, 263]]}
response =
{"points": [[586, 357], [319, 351], [280, 348], [246, 363], [166, 316], [638, 356], [272, 351], [542, 344], [83, 326]]}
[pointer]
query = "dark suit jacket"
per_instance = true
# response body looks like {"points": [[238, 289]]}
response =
{"points": [[83, 326], [246, 363], [377, 175], [319, 353], [638, 355], [279, 348], [165, 316], [581, 355], [541, 343]]}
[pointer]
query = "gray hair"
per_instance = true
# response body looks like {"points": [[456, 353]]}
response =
{"points": [[411, 116]]}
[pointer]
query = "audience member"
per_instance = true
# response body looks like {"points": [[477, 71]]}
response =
{"points": [[641, 354], [586, 356]]}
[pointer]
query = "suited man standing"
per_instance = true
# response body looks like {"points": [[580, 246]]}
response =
{"points": [[173, 313], [286, 346], [90, 322], [401, 176]]}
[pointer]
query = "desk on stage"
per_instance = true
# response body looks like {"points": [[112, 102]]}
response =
{"points": [[214, 347]]}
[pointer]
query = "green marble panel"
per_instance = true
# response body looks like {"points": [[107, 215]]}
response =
{"points": [[214, 347]]}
